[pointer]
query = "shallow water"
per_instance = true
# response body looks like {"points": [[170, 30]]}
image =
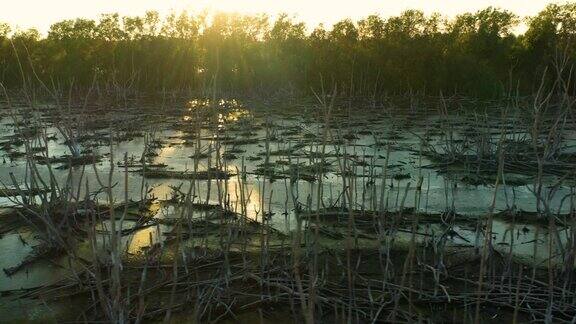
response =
{"points": [[372, 131]]}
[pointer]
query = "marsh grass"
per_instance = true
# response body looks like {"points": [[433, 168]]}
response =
{"points": [[366, 251]]}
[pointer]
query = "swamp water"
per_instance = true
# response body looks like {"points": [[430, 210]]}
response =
{"points": [[275, 161]]}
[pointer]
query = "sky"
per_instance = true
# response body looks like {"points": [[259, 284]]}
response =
{"points": [[41, 14]]}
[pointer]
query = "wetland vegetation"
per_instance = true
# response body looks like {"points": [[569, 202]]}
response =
{"points": [[229, 171]]}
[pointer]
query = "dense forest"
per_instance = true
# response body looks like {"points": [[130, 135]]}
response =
{"points": [[475, 54]]}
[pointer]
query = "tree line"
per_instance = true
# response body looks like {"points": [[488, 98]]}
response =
{"points": [[476, 54]]}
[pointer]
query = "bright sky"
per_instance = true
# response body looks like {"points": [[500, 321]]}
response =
{"points": [[42, 13]]}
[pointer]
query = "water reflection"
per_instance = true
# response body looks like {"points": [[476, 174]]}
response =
{"points": [[440, 190], [228, 110], [143, 238]]}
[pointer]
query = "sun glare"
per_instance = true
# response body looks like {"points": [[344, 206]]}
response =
{"points": [[45, 13]]}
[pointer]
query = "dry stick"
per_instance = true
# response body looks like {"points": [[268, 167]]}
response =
{"points": [[385, 241], [415, 226], [104, 298], [408, 261], [517, 298], [115, 248], [296, 248], [263, 245], [488, 238], [351, 232], [174, 273], [327, 111]]}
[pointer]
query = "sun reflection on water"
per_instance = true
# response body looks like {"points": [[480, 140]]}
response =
{"points": [[142, 238], [252, 198], [229, 110]]}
